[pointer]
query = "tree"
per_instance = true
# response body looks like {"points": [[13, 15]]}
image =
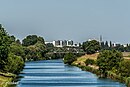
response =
{"points": [[108, 60], [89, 62], [106, 45], [102, 45], [124, 68], [69, 58], [14, 64], [9, 61], [18, 41], [41, 39], [35, 47], [12, 38], [30, 40], [4, 46], [35, 52], [91, 46], [17, 49], [49, 45]]}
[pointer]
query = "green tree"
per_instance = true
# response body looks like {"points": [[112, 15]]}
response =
{"points": [[14, 64], [106, 45], [89, 62], [17, 49], [109, 60], [30, 40], [102, 45], [4, 47], [69, 58], [35, 52], [12, 38], [18, 41], [41, 39], [91, 46], [124, 68], [50, 45]]}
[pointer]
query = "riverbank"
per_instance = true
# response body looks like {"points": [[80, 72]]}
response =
{"points": [[54, 73], [80, 62], [6, 79]]}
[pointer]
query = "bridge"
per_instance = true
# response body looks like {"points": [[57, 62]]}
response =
{"points": [[66, 52]]}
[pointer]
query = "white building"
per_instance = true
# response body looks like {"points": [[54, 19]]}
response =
{"points": [[62, 43]]}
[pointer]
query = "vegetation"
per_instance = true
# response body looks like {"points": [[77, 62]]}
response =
{"points": [[11, 57], [9, 60], [91, 47], [35, 48], [17, 49], [110, 46], [32, 40], [109, 60], [69, 58], [90, 62], [4, 47], [124, 68], [110, 63], [6, 78], [128, 82], [13, 54]]}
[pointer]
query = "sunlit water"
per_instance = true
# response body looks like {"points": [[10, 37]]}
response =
{"points": [[54, 73]]}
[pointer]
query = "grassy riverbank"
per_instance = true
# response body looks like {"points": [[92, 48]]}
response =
{"points": [[82, 59], [80, 62], [6, 79]]}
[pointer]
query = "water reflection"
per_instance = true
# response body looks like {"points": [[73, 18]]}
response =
{"points": [[54, 73]]}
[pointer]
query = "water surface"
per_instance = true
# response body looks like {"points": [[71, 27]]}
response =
{"points": [[54, 73]]}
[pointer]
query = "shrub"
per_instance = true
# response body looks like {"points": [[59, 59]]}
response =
{"points": [[128, 82], [69, 58], [89, 62]]}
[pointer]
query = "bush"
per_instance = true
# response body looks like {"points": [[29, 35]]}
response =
{"points": [[69, 58], [107, 60], [124, 68], [14, 64], [90, 69], [91, 47], [89, 62], [128, 82], [116, 77]]}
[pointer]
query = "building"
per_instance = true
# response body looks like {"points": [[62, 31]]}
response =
{"points": [[48, 42], [62, 43], [70, 43], [57, 43]]}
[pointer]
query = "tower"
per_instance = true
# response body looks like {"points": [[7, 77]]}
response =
{"points": [[100, 40]]}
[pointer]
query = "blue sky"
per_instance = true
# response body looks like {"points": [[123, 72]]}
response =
{"points": [[78, 20]]}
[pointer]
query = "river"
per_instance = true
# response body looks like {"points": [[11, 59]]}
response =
{"points": [[54, 73]]}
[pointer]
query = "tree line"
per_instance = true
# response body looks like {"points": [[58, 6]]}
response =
{"points": [[13, 53], [110, 57], [10, 61], [110, 61], [94, 46], [109, 46]]}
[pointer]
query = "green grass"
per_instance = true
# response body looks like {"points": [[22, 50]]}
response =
{"points": [[6, 78], [81, 60]]}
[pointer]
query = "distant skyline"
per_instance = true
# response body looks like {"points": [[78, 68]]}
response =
{"points": [[77, 20]]}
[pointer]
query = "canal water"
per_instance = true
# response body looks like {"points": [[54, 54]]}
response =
{"points": [[54, 73]]}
